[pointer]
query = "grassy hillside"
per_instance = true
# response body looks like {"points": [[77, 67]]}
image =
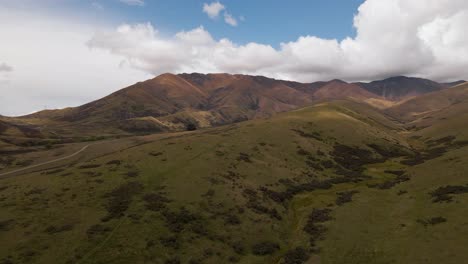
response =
{"points": [[333, 183]]}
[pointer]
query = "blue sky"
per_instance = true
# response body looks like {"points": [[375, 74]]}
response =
{"points": [[266, 21]]}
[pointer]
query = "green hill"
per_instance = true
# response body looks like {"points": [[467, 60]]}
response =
{"points": [[338, 182]]}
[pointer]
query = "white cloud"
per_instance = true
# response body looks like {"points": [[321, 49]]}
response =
{"points": [[53, 67], [424, 38], [213, 9], [229, 19], [133, 2], [5, 67]]}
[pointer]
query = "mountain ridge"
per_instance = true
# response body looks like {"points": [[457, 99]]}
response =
{"points": [[171, 102]]}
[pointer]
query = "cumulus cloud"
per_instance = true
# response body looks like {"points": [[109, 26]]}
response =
{"points": [[213, 9], [229, 19], [422, 38], [133, 2], [5, 67], [52, 66]]}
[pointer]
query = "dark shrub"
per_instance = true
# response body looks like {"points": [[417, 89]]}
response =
{"points": [[174, 260], [155, 154], [232, 220], [191, 127], [432, 221], [114, 162], [6, 225], [177, 221], [155, 201], [296, 256], [120, 198], [169, 242], [96, 230], [238, 247], [132, 174], [444, 194], [89, 166], [265, 248], [345, 197], [244, 157], [58, 229], [313, 226]]}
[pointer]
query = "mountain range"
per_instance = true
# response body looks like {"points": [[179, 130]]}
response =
{"points": [[170, 102]]}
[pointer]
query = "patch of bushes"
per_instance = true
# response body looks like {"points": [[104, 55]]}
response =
{"points": [[155, 154], [191, 127], [395, 172], [244, 157], [24, 163], [315, 135], [179, 220], [155, 201], [303, 152], [132, 174], [58, 229], [120, 198], [34, 191], [232, 220], [389, 152], [89, 166], [173, 260], [314, 226], [114, 162], [293, 189], [6, 225], [445, 140], [296, 256], [445, 194], [345, 197], [170, 242], [54, 171], [97, 230], [260, 209], [354, 158], [432, 221], [265, 248], [238, 247], [390, 183]]}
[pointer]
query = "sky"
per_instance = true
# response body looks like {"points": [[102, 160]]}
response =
{"points": [[63, 53]]}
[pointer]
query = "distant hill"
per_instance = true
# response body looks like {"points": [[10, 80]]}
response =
{"points": [[401, 87], [171, 102], [431, 103]]}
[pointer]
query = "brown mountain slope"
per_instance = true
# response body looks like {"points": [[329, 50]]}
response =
{"points": [[401, 87], [338, 89], [431, 103], [170, 102]]}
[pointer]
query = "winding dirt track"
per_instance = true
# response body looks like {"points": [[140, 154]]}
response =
{"points": [[44, 163]]}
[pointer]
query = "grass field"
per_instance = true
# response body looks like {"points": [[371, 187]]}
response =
{"points": [[332, 183]]}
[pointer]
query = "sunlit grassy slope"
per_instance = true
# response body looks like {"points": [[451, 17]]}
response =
{"points": [[336, 182]]}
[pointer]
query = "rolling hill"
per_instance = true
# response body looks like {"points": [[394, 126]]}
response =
{"points": [[339, 181]]}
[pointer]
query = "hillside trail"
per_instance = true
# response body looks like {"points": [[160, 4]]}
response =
{"points": [[3, 175]]}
